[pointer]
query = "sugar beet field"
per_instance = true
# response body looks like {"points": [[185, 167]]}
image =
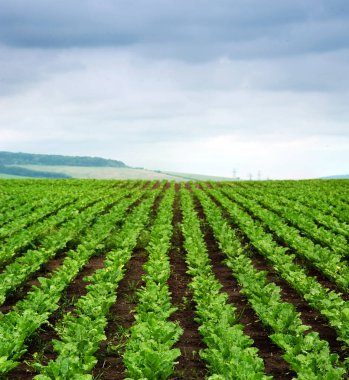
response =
{"points": [[157, 280]]}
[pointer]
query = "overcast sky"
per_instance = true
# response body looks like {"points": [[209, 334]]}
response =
{"points": [[181, 85]]}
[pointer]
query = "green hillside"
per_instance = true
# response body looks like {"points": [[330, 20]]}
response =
{"points": [[31, 173], [24, 165], [9, 158], [121, 173], [102, 172]]}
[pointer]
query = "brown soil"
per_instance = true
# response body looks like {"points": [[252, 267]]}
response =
{"points": [[275, 365], [41, 341], [121, 317], [190, 365], [302, 232], [177, 186], [308, 315], [306, 264], [146, 185], [167, 185]]}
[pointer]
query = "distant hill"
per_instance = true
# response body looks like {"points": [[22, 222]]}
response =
{"points": [[8, 158], [196, 177], [342, 176], [25, 172], [96, 172], [27, 165]]}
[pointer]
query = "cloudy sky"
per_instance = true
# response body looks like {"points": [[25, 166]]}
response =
{"points": [[182, 85]]}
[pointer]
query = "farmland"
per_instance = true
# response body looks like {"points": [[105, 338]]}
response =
{"points": [[163, 280]]}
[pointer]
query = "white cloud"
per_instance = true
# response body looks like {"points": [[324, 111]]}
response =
{"points": [[293, 158], [204, 95]]}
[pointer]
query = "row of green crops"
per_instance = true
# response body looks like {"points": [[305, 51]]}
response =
{"points": [[37, 232], [229, 353], [149, 351], [74, 230], [305, 209], [295, 226], [324, 259], [30, 313], [298, 217], [82, 332], [308, 355], [329, 303]]}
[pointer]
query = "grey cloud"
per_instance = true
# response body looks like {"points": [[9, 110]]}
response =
{"points": [[181, 29], [137, 79], [20, 69]]}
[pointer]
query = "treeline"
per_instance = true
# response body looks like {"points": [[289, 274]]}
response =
{"points": [[16, 170], [9, 158]]}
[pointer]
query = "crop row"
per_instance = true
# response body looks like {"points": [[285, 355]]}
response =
{"points": [[34, 310], [73, 230], [328, 262], [329, 303], [308, 355], [314, 194], [45, 230], [298, 217], [110, 219], [149, 351], [306, 210], [229, 353], [81, 332]]}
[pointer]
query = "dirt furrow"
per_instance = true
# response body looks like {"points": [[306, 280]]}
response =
{"points": [[121, 317], [275, 365], [190, 365]]}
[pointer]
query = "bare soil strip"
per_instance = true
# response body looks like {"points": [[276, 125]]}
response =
{"points": [[121, 315], [190, 365], [306, 264], [41, 342], [20, 293], [308, 315], [51, 265], [275, 365]]}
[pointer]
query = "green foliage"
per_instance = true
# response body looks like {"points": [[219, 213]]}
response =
{"points": [[82, 332], [308, 355], [8, 158], [34, 310], [229, 354], [40, 220], [149, 353], [329, 303]]}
